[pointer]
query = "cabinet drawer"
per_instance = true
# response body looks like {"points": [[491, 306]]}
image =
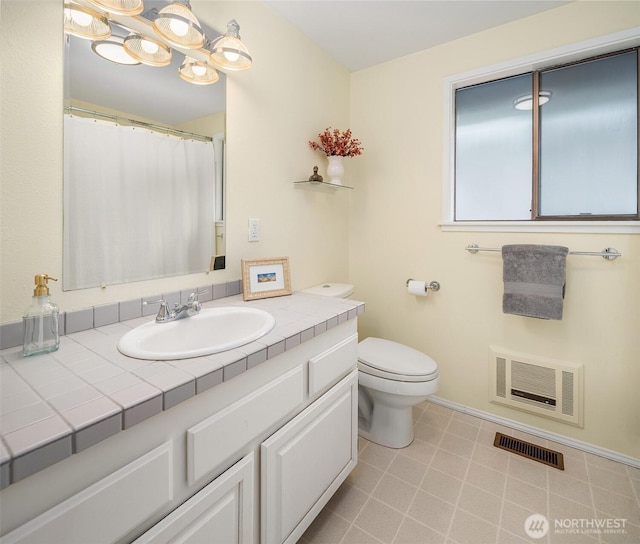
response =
{"points": [[304, 463], [335, 363], [222, 435], [222, 512], [108, 509]]}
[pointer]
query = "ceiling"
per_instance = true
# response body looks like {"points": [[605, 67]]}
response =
{"points": [[362, 33]]}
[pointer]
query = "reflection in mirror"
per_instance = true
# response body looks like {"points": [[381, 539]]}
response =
{"points": [[143, 169]]}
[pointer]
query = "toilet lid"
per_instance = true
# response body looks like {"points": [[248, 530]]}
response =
{"points": [[396, 359], [338, 290]]}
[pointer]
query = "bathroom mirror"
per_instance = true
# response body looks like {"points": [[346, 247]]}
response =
{"points": [[106, 93]]}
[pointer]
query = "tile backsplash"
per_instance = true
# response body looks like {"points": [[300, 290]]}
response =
{"points": [[11, 334]]}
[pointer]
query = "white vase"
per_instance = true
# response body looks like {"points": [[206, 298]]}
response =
{"points": [[335, 169]]}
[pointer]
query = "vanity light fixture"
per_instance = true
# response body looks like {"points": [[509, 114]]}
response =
{"points": [[229, 52], [179, 26], [198, 72], [147, 50], [154, 34], [85, 23], [526, 102], [113, 49], [120, 7]]}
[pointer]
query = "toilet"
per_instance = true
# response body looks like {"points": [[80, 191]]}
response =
{"points": [[392, 379]]}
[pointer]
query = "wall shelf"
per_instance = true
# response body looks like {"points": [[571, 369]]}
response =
{"points": [[322, 184]]}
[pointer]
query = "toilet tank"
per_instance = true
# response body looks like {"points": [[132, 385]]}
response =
{"points": [[337, 290]]}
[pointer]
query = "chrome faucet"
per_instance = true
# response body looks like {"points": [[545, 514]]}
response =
{"points": [[165, 314]]}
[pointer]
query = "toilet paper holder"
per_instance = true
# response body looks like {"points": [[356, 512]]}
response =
{"points": [[434, 285]]}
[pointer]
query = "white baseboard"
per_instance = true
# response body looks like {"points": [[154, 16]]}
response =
{"points": [[577, 444]]}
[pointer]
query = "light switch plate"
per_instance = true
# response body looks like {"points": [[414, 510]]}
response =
{"points": [[254, 230]]}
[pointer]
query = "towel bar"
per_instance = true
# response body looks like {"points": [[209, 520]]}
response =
{"points": [[608, 253]]}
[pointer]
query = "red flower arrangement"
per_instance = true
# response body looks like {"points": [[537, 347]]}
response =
{"points": [[337, 143]]}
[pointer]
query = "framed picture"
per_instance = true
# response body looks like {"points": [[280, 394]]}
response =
{"points": [[263, 278]]}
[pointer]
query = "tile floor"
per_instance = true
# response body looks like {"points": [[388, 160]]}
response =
{"points": [[451, 486]]}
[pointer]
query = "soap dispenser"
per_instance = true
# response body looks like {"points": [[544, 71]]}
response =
{"points": [[40, 320]]}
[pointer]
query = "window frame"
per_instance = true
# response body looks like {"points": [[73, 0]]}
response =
{"points": [[563, 56]]}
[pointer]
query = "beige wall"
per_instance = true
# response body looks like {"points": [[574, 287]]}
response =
{"points": [[397, 111], [293, 92]]}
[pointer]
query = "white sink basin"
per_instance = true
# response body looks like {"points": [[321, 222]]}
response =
{"points": [[211, 331]]}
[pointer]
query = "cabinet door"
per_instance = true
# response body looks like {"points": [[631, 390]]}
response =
{"points": [[304, 463], [221, 513]]}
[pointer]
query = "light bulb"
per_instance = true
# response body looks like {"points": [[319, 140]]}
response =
{"points": [[199, 69], [80, 18], [149, 47], [179, 28], [231, 56]]}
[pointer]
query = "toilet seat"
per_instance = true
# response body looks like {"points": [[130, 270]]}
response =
{"points": [[393, 361]]}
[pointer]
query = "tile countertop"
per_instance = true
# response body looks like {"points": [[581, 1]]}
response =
{"points": [[57, 404]]}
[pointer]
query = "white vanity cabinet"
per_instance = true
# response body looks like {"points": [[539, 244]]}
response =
{"points": [[302, 465], [251, 460]]}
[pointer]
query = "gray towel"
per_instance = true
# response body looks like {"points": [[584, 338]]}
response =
{"points": [[534, 280]]}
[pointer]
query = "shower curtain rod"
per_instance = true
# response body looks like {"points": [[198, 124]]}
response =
{"points": [[608, 253], [183, 133]]}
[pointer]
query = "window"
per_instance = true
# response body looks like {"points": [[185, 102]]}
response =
{"points": [[573, 156]]}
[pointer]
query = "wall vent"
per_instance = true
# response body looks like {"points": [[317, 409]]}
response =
{"points": [[548, 388]]}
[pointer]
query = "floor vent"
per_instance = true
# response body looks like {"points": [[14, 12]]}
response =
{"points": [[543, 455]]}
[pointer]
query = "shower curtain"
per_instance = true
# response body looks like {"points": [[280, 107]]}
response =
{"points": [[138, 204]]}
